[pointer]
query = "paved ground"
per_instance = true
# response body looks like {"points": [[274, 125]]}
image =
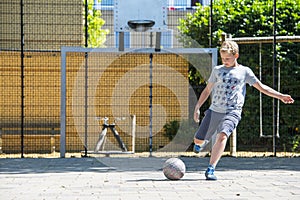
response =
{"points": [[110, 178]]}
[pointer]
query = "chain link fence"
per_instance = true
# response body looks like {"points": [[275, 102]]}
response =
{"points": [[31, 36]]}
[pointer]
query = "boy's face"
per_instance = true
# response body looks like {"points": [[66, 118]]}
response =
{"points": [[228, 59]]}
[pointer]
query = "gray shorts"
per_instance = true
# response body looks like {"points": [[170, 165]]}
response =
{"points": [[214, 122]]}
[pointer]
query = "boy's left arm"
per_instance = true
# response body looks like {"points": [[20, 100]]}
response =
{"points": [[285, 98]]}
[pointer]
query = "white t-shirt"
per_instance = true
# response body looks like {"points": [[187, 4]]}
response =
{"points": [[229, 88]]}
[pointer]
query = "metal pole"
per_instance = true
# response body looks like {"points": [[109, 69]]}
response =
{"points": [[150, 106], [210, 23], [121, 41], [278, 103], [86, 23], [22, 80], [158, 41], [274, 79], [86, 83], [63, 92], [86, 105], [260, 95]]}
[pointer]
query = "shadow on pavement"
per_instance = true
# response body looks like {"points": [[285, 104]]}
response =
{"points": [[107, 164]]}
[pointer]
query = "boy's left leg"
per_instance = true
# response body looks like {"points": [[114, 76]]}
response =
{"points": [[227, 125], [216, 154], [218, 149]]}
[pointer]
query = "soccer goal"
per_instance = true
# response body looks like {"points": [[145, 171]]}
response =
{"points": [[100, 87]]}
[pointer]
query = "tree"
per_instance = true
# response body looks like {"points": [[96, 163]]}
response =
{"points": [[96, 35]]}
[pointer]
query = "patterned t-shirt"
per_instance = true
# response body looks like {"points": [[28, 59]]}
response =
{"points": [[229, 88]]}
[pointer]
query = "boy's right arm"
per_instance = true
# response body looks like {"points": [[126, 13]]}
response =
{"points": [[285, 98], [203, 97]]}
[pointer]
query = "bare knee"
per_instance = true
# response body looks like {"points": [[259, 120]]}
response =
{"points": [[197, 141], [221, 137]]}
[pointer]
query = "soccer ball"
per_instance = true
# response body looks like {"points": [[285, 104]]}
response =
{"points": [[174, 169]]}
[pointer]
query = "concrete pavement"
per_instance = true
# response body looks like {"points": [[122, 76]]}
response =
{"points": [[132, 178]]}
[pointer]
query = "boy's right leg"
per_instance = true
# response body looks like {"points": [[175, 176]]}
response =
{"points": [[200, 135], [199, 145]]}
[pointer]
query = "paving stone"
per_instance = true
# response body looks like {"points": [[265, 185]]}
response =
{"points": [[113, 178]]}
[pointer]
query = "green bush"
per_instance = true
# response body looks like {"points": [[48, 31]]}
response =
{"points": [[296, 143], [254, 18]]}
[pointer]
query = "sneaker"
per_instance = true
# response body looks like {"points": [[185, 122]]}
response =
{"points": [[209, 173], [197, 148]]}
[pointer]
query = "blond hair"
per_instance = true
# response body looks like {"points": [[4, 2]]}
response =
{"points": [[229, 47]]}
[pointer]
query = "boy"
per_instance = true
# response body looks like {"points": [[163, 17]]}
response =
{"points": [[227, 84]]}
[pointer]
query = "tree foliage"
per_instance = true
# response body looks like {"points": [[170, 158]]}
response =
{"points": [[242, 18], [254, 18], [96, 35]]}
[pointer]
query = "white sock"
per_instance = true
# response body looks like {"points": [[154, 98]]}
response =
{"points": [[204, 143]]}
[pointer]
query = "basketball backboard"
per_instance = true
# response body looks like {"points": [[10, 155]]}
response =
{"points": [[140, 15]]}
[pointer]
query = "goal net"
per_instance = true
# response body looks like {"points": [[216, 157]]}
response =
{"points": [[97, 82]]}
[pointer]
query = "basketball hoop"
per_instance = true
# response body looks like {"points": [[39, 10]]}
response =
{"points": [[140, 25], [140, 16]]}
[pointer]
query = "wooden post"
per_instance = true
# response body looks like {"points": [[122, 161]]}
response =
{"points": [[233, 143], [1, 140], [133, 118], [223, 37], [52, 141]]}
